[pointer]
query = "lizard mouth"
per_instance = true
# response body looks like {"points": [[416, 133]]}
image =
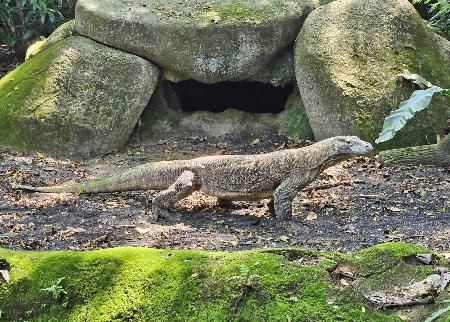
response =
{"points": [[365, 149]]}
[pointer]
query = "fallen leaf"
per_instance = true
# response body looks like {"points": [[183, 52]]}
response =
{"points": [[293, 299], [255, 141], [311, 216], [284, 238], [425, 258], [72, 231], [4, 276], [142, 231], [215, 19]]}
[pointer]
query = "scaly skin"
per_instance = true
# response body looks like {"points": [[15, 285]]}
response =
{"points": [[279, 175]]}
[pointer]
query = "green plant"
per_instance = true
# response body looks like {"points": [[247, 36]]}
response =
{"points": [[57, 292], [438, 313], [440, 11], [23, 21], [419, 100]]}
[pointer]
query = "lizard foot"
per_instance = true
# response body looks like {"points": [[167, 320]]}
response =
{"points": [[166, 214], [223, 203], [271, 208]]}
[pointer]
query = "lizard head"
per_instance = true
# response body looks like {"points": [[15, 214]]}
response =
{"points": [[350, 146], [340, 148]]}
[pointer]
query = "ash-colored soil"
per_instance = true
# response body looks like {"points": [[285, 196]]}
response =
{"points": [[355, 204]]}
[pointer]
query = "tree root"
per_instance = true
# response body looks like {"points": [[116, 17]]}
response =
{"points": [[434, 155]]}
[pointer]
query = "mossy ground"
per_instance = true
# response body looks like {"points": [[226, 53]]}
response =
{"points": [[138, 284]]}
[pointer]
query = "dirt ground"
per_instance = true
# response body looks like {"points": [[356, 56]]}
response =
{"points": [[354, 205]]}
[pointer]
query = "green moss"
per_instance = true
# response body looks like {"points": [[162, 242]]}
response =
{"points": [[137, 284], [17, 90], [64, 31], [239, 10], [356, 87], [293, 121], [74, 99]]}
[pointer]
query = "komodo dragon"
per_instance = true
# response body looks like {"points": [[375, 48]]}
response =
{"points": [[278, 175]]}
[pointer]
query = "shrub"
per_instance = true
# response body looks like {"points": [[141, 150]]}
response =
{"points": [[438, 13], [23, 21]]}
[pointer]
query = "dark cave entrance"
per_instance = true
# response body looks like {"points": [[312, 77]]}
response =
{"points": [[247, 96]]}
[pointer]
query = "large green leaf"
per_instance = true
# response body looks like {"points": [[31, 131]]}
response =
{"points": [[438, 314], [418, 101], [416, 79]]}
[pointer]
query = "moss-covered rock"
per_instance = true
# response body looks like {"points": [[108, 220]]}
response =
{"points": [[348, 56], [293, 121], [64, 31], [206, 41], [279, 72], [137, 284], [77, 98], [163, 113]]}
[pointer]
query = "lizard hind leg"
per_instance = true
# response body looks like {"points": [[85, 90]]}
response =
{"points": [[224, 203], [186, 184]]}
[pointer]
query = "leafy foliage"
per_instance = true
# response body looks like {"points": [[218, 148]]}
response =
{"points": [[57, 292], [440, 13], [419, 100], [22, 21], [438, 313]]}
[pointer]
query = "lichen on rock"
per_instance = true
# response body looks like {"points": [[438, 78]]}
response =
{"points": [[163, 113], [348, 56], [77, 98], [279, 72], [224, 40]]}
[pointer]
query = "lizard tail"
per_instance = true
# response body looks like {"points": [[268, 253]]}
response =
{"points": [[154, 176], [76, 188]]}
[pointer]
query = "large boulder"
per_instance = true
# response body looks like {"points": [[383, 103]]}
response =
{"points": [[206, 41], [76, 98], [348, 56]]}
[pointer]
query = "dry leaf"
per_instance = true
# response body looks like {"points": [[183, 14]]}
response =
{"points": [[215, 19], [4, 276], [143, 231], [311, 216], [344, 282], [284, 238], [72, 231]]}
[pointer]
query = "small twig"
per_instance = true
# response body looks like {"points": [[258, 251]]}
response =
{"points": [[332, 185]]}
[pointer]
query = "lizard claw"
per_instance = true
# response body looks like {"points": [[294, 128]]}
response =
{"points": [[166, 214]]}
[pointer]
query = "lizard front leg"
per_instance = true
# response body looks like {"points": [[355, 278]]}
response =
{"points": [[186, 184], [285, 193]]}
